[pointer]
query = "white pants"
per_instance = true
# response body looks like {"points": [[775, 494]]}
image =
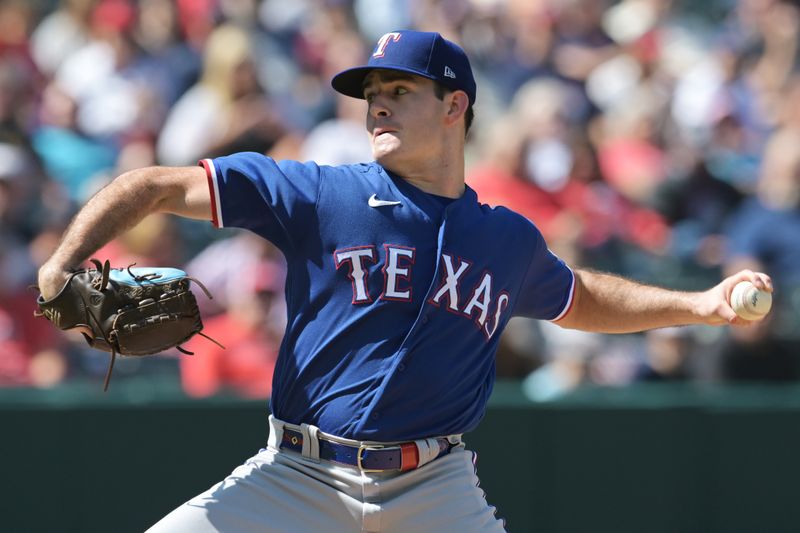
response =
{"points": [[283, 491]]}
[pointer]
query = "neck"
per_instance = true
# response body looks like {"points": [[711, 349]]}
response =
{"points": [[442, 175]]}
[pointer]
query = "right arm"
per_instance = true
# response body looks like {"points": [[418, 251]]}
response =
{"points": [[118, 207], [606, 303]]}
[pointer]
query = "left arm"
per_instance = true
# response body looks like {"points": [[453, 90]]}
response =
{"points": [[605, 303]]}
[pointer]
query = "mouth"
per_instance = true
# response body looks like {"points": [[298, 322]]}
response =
{"points": [[382, 131]]}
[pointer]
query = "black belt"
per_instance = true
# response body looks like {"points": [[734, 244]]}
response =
{"points": [[367, 458]]}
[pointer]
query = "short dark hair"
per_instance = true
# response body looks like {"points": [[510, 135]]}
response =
{"points": [[469, 115]]}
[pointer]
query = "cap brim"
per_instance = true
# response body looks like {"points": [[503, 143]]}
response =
{"points": [[350, 82]]}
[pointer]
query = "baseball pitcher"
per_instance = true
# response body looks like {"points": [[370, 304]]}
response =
{"points": [[399, 285]]}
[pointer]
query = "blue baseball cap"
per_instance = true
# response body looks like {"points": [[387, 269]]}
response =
{"points": [[425, 54]]}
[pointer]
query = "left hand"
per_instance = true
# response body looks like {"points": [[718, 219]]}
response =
{"points": [[714, 305]]}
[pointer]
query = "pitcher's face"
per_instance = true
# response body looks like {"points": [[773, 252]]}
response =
{"points": [[404, 118]]}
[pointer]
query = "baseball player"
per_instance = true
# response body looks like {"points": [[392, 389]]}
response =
{"points": [[399, 285]]}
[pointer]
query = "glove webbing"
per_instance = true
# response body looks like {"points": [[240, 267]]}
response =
{"points": [[105, 269]]}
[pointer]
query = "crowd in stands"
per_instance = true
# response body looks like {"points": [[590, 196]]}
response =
{"points": [[657, 139]]}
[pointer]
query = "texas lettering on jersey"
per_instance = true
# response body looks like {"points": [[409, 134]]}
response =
{"points": [[397, 273]]}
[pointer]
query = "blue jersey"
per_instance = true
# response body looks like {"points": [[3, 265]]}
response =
{"points": [[396, 298]]}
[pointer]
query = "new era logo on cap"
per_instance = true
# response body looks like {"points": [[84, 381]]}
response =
{"points": [[425, 54]]}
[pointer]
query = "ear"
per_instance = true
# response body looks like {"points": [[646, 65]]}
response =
{"points": [[457, 103]]}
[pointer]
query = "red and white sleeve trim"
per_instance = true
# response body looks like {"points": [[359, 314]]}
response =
{"points": [[213, 189], [570, 300]]}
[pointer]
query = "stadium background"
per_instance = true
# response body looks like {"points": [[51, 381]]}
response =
{"points": [[652, 138]]}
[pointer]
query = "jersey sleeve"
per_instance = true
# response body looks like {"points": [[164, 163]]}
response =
{"points": [[548, 287], [276, 200]]}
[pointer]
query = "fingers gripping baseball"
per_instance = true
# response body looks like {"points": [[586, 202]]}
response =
{"points": [[738, 300]]}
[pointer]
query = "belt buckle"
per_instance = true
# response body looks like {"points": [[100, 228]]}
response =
{"points": [[359, 463]]}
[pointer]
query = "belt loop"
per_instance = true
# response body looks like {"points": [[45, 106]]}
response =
{"points": [[275, 433], [428, 450], [310, 442]]}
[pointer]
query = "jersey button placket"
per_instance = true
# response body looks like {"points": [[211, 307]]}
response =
{"points": [[439, 249]]}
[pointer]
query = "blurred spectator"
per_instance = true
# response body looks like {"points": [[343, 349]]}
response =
{"points": [[540, 166], [154, 241], [105, 98], [250, 334], [567, 358], [226, 111], [667, 356], [698, 203], [340, 140], [242, 253], [765, 234], [60, 34], [71, 158], [22, 336], [172, 65], [107, 77]]}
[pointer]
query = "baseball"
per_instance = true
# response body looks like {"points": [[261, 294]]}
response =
{"points": [[750, 303]]}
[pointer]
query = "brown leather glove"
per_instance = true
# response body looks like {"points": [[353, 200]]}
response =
{"points": [[127, 311]]}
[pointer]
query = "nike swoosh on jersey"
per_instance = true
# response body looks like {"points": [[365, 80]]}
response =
{"points": [[374, 202]]}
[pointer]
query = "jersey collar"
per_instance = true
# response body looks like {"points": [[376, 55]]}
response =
{"points": [[424, 201]]}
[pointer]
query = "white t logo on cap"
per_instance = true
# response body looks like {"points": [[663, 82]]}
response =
{"points": [[448, 72], [383, 42]]}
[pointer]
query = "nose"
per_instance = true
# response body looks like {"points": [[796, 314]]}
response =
{"points": [[378, 107]]}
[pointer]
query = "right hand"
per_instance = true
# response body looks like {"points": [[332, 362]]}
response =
{"points": [[714, 305], [52, 279]]}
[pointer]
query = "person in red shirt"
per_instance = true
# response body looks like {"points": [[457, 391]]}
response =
{"points": [[251, 331]]}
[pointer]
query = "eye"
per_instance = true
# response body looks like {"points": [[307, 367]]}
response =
{"points": [[369, 97], [400, 90]]}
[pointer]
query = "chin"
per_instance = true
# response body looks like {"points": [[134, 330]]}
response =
{"points": [[385, 155]]}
